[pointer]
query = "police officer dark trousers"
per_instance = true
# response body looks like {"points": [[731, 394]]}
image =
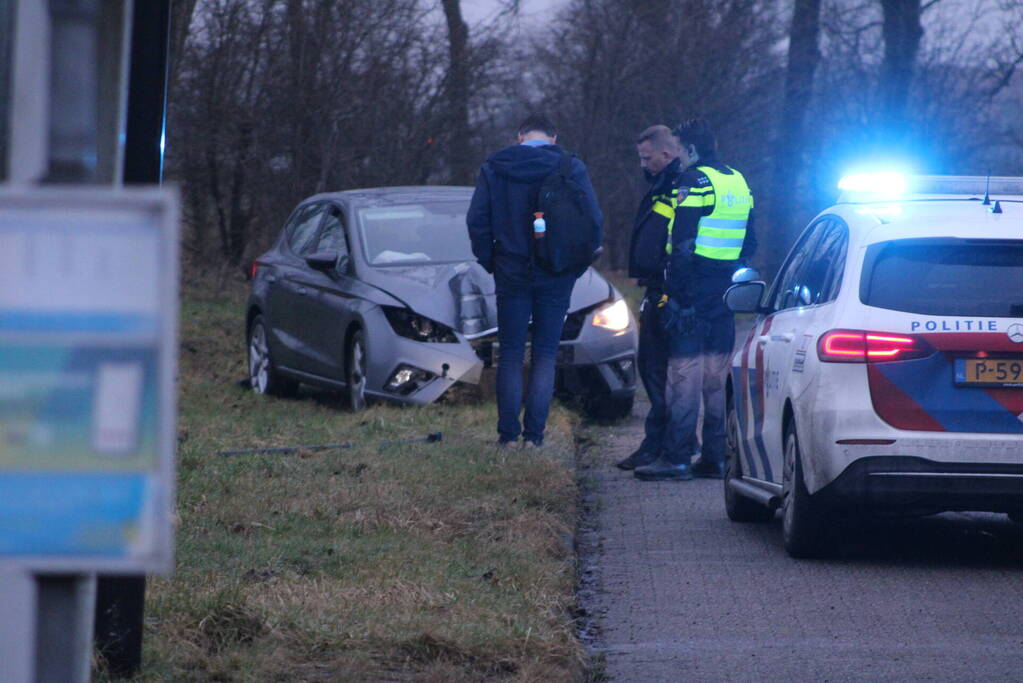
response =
{"points": [[710, 234], [658, 153]]}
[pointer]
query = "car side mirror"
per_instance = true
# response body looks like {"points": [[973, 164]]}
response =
{"points": [[745, 274], [344, 263], [745, 297], [323, 260]]}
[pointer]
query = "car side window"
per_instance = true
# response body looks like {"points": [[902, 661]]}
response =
{"points": [[302, 227], [332, 233], [824, 274], [790, 281]]}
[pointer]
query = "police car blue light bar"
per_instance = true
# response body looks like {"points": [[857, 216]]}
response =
{"points": [[873, 186]]}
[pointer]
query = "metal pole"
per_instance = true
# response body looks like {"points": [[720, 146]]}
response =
{"points": [[120, 600], [17, 625]]}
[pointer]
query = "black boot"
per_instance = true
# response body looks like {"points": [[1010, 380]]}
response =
{"points": [[663, 469], [638, 458]]}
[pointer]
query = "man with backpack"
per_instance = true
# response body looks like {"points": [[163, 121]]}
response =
{"points": [[535, 224]]}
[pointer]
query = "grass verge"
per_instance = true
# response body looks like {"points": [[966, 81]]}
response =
{"points": [[436, 562]]}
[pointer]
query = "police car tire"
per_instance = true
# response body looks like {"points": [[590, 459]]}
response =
{"points": [[260, 362], [738, 507], [803, 519]]}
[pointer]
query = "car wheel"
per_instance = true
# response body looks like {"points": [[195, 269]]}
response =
{"points": [[738, 507], [603, 407], [263, 375], [803, 519], [356, 367]]}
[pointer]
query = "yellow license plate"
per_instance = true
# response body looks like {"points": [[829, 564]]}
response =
{"points": [[992, 372]]}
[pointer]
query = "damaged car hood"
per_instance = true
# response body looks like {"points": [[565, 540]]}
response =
{"points": [[462, 295]]}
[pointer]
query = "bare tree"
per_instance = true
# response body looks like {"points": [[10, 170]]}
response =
{"points": [[801, 66], [663, 61], [459, 154]]}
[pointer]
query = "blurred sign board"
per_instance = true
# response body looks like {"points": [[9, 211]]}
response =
{"points": [[88, 316]]}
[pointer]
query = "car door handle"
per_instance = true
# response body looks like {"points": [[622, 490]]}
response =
{"points": [[782, 337], [303, 291], [271, 278]]}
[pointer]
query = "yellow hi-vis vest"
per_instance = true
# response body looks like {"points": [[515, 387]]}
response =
{"points": [[720, 234]]}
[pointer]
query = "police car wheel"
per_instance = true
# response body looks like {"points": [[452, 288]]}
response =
{"points": [[263, 375], [739, 508], [803, 519]]}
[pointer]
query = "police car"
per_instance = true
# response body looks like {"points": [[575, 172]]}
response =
{"points": [[884, 371]]}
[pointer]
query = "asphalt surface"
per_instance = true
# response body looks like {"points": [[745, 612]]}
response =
{"points": [[677, 592]]}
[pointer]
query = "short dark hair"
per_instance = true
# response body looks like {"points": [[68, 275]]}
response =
{"points": [[697, 133], [538, 122]]}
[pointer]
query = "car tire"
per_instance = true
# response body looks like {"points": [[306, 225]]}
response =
{"points": [[804, 520], [263, 375], [738, 507], [604, 407], [355, 372]]}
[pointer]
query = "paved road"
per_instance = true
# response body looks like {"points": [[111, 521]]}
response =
{"points": [[683, 594]]}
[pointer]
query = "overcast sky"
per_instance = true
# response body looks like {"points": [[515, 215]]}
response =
{"points": [[476, 11]]}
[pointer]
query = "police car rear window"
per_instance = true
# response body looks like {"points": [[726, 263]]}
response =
{"points": [[945, 277]]}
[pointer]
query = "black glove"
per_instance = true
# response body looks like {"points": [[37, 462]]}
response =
{"points": [[676, 319]]}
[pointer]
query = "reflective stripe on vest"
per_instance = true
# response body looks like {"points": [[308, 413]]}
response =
{"points": [[720, 235], [667, 209]]}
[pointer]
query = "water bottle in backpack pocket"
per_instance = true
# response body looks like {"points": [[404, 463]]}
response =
{"points": [[567, 239]]}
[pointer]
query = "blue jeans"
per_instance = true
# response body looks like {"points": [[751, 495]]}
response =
{"points": [[544, 298]]}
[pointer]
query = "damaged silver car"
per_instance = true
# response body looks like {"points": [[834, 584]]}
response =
{"points": [[376, 293]]}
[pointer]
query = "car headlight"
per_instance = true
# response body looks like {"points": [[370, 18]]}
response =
{"points": [[411, 325], [613, 317]]}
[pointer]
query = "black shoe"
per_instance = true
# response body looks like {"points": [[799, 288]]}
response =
{"points": [[637, 459], [663, 470], [708, 470]]}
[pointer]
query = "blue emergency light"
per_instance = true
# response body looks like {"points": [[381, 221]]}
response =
{"points": [[878, 186]]}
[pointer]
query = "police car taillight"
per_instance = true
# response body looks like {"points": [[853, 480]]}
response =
{"points": [[859, 346]]}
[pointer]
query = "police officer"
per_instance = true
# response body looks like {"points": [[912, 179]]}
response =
{"points": [[658, 152], [709, 237]]}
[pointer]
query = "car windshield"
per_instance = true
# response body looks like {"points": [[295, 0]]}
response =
{"points": [[430, 232], [945, 277]]}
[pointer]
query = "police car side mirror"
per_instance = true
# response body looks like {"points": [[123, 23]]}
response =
{"points": [[746, 274], [745, 297]]}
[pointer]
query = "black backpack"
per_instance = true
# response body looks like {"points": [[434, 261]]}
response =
{"points": [[570, 243]]}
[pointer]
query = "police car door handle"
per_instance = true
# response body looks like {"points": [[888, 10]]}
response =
{"points": [[782, 337]]}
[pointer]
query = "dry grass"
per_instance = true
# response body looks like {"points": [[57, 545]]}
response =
{"points": [[433, 562]]}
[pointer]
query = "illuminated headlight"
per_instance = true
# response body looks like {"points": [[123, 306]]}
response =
{"points": [[406, 379], [613, 316]]}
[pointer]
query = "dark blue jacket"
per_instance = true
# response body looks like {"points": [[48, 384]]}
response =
{"points": [[500, 217]]}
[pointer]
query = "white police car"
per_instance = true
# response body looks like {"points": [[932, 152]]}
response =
{"points": [[884, 372]]}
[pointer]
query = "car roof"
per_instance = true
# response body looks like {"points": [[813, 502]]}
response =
{"points": [[389, 196], [937, 206]]}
